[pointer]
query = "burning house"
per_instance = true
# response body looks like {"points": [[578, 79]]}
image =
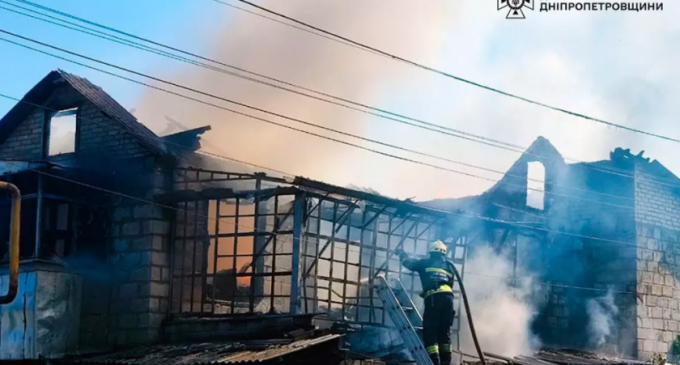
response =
{"points": [[125, 243], [600, 239], [128, 240]]}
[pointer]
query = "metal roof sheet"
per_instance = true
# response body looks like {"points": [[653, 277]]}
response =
{"points": [[206, 353]]}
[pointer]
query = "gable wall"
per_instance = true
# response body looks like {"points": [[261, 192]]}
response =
{"points": [[97, 132]]}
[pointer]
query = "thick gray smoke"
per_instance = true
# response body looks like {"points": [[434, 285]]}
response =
{"points": [[502, 311], [602, 312], [269, 48]]}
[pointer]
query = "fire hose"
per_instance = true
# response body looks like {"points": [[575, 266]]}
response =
{"points": [[480, 353]]}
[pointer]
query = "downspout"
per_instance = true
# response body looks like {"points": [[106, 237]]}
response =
{"points": [[14, 243]]}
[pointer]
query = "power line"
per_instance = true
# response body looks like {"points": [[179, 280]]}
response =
{"points": [[106, 36], [285, 239], [289, 174], [257, 118], [186, 60], [271, 113], [280, 22], [457, 78], [182, 59], [164, 141], [165, 54], [503, 145], [283, 172]]}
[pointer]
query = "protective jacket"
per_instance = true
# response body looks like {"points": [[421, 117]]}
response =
{"points": [[436, 273]]}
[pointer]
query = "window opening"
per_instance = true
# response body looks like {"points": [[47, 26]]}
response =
{"points": [[62, 133], [536, 185]]}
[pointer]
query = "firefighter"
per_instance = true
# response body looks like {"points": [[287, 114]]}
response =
{"points": [[436, 276]]}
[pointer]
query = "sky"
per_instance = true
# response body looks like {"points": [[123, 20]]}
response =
{"points": [[616, 66]]}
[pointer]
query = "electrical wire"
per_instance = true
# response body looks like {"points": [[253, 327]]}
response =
{"points": [[165, 54], [244, 114], [503, 145], [470, 136], [527, 227], [203, 65], [274, 114], [284, 239], [457, 78]]}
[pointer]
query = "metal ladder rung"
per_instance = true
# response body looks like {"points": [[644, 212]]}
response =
{"points": [[394, 305]]}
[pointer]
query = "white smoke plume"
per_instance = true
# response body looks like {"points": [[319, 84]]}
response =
{"points": [[502, 312], [267, 47], [602, 312]]}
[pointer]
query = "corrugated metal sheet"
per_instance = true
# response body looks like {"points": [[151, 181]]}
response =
{"points": [[557, 357], [44, 318], [573, 357], [206, 353]]}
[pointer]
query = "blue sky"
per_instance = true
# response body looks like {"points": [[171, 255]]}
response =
{"points": [[615, 66], [156, 19]]}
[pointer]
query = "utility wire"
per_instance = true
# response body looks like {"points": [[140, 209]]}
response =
{"points": [[488, 219], [509, 146], [283, 23], [182, 59], [461, 163], [457, 78], [271, 113], [280, 172], [244, 114], [176, 145], [164, 141], [503, 145], [284, 239]]}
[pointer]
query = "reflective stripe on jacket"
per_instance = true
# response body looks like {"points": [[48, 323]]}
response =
{"points": [[436, 273]]}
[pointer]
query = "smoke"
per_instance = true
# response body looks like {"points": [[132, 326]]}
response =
{"points": [[602, 312], [287, 54], [502, 312]]}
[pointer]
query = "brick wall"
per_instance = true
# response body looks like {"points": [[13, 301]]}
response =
{"points": [[658, 263], [129, 307], [587, 203], [140, 266], [25, 141], [100, 133]]}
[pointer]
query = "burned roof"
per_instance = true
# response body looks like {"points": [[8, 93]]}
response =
{"points": [[208, 353], [93, 93]]}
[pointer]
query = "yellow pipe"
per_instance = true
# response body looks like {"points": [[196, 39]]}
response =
{"points": [[14, 243]]}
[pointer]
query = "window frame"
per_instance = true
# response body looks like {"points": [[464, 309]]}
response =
{"points": [[47, 132]]}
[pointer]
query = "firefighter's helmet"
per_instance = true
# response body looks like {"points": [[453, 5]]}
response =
{"points": [[438, 247]]}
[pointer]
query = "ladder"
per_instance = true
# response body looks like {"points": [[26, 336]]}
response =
{"points": [[405, 317]]}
